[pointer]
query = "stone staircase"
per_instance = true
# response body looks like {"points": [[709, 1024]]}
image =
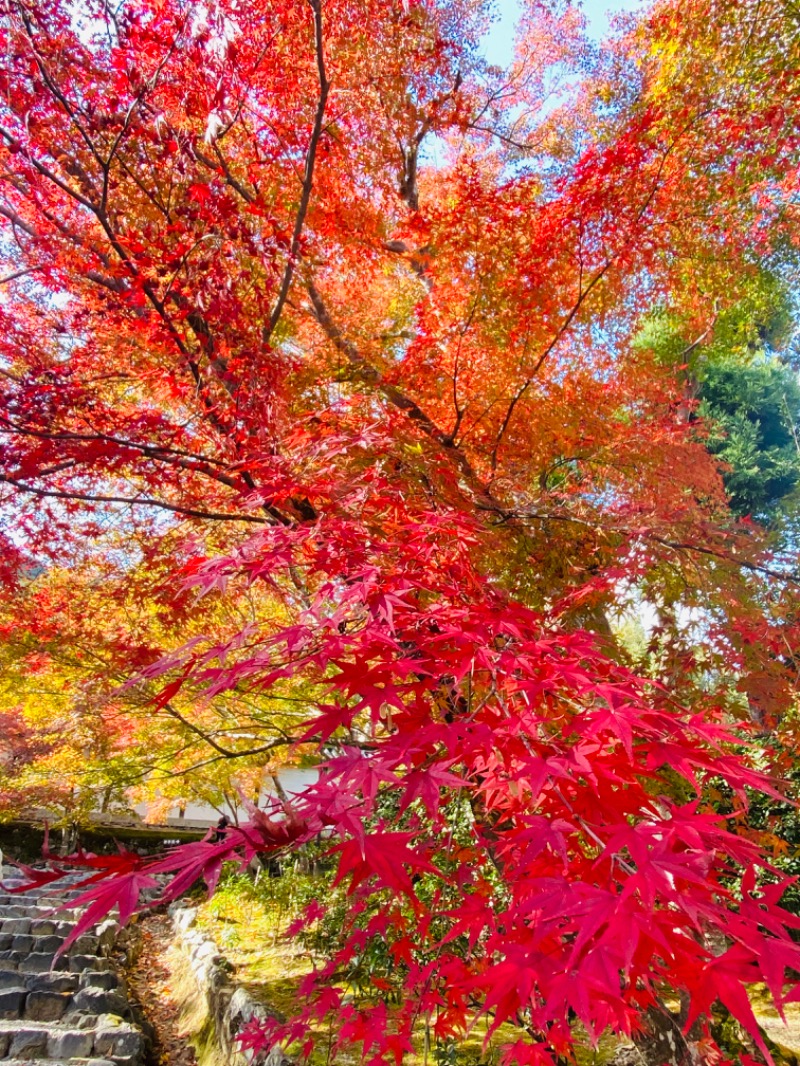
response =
{"points": [[67, 1009]]}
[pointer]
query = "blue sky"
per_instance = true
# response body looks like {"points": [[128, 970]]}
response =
{"points": [[499, 40], [597, 12]]}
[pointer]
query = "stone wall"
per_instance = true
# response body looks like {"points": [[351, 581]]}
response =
{"points": [[214, 1009]]}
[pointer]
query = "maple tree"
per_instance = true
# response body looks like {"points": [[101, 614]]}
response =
{"points": [[386, 437]]}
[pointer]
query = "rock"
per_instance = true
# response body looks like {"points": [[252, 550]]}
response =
{"points": [[69, 1044], [85, 945], [43, 927], [184, 917], [12, 1002], [28, 1044], [16, 925], [9, 979], [120, 1041], [82, 1020], [41, 963], [277, 1057], [205, 952], [46, 1006], [49, 944], [107, 933], [52, 982], [99, 1001], [243, 1008], [22, 942], [79, 963], [99, 979], [627, 1055], [18, 910]]}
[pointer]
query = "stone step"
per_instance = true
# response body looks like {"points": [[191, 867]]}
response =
{"points": [[17, 888], [36, 927], [43, 962], [60, 981], [107, 1038], [22, 909], [59, 1062], [62, 884], [15, 879], [52, 1004], [70, 1008], [44, 1006], [53, 899], [43, 927], [56, 982], [18, 913], [39, 908], [86, 944]]}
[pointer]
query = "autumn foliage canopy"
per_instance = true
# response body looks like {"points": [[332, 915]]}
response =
{"points": [[335, 423]]}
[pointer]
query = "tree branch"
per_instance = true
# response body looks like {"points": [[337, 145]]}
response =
{"points": [[562, 329], [279, 742], [793, 577], [308, 179], [370, 374], [132, 501]]}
